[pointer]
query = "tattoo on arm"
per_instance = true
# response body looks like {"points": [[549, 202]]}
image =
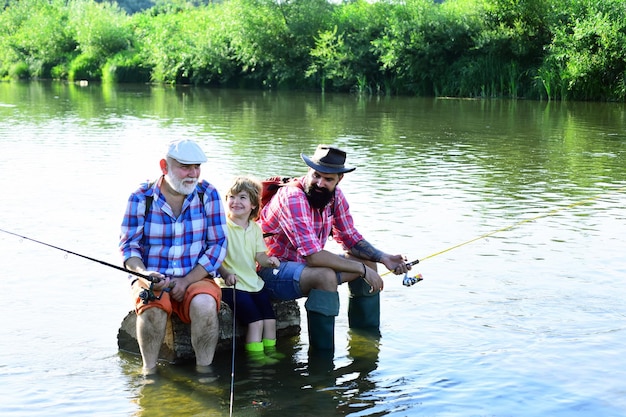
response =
{"points": [[365, 250]]}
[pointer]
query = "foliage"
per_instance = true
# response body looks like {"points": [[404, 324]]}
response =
{"points": [[271, 41], [329, 56], [554, 49], [125, 67], [134, 6], [84, 67], [100, 29], [35, 33], [359, 23], [422, 43], [185, 47], [586, 60]]}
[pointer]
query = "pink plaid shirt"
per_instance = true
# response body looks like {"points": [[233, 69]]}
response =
{"points": [[297, 230]]}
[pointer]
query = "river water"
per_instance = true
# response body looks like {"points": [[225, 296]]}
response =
{"points": [[516, 209]]}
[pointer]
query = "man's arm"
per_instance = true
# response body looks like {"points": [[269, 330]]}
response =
{"points": [[365, 250], [350, 268], [135, 264], [330, 260]]}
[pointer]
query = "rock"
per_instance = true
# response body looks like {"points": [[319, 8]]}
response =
{"points": [[177, 344]]}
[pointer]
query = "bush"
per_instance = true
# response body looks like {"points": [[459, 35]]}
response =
{"points": [[125, 67], [85, 67], [59, 72], [19, 71]]}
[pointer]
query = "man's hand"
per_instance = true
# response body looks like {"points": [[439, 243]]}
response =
{"points": [[178, 289], [161, 282], [395, 263], [373, 278]]}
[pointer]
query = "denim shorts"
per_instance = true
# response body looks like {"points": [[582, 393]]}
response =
{"points": [[283, 282]]}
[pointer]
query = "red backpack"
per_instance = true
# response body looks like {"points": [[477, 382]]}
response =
{"points": [[271, 185]]}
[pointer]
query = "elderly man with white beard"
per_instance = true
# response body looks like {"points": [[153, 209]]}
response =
{"points": [[174, 231]]}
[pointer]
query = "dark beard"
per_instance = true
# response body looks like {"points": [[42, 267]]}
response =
{"points": [[318, 197]]}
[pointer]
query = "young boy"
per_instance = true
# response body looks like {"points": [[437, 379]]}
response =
{"points": [[246, 248]]}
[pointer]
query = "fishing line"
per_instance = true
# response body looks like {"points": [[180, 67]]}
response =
{"points": [[550, 213], [149, 278], [232, 365]]}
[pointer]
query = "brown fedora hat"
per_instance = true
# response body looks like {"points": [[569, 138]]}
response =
{"points": [[328, 159]]}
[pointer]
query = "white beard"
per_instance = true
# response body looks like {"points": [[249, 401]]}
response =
{"points": [[183, 186]]}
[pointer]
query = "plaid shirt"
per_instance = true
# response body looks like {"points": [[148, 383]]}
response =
{"points": [[297, 230], [174, 246]]}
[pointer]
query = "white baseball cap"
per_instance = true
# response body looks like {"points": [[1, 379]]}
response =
{"points": [[186, 151]]}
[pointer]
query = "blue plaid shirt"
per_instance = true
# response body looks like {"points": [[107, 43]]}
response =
{"points": [[174, 246]]}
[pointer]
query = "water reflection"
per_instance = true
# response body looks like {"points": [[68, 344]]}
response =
{"points": [[315, 387]]}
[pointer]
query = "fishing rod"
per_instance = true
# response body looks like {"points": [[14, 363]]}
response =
{"points": [[408, 281], [232, 364], [149, 278]]}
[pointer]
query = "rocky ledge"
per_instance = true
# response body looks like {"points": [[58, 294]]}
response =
{"points": [[177, 344]]}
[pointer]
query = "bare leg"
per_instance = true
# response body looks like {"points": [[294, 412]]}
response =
{"points": [[317, 278], [150, 334], [204, 329], [269, 329], [255, 331]]}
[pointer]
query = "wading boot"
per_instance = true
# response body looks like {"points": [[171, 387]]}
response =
{"points": [[363, 307], [322, 307]]}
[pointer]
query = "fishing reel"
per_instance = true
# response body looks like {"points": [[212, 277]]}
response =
{"points": [[408, 281], [147, 294]]}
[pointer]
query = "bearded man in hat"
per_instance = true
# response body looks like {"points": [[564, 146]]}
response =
{"points": [[174, 231], [297, 222]]}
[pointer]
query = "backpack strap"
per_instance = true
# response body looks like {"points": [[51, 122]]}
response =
{"points": [[149, 199]]}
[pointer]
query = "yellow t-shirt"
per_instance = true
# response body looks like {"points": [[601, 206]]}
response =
{"points": [[243, 245]]}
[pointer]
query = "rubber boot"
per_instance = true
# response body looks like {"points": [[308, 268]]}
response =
{"points": [[363, 307], [322, 307], [256, 355], [269, 347]]}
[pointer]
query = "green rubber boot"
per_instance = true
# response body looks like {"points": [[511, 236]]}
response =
{"points": [[269, 347], [363, 307], [256, 355], [322, 307]]}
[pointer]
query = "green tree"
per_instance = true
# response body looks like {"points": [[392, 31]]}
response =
{"points": [[424, 40], [360, 22], [185, 46], [36, 36], [101, 31], [586, 60], [329, 58]]}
